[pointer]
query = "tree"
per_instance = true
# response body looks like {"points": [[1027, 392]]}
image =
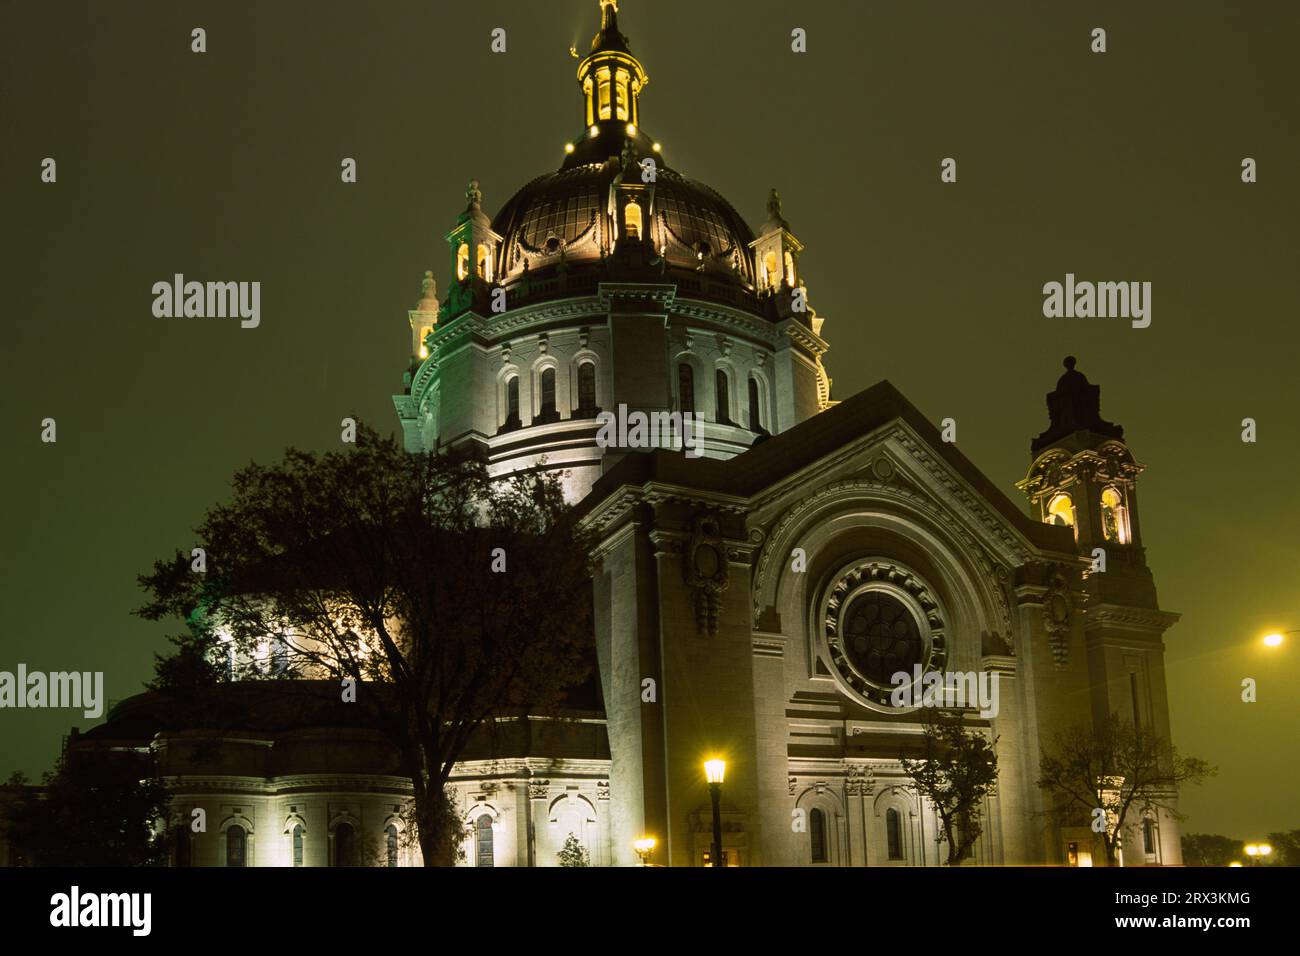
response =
{"points": [[1098, 775], [573, 853], [95, 809], [434, 597], [1286, 848], [955, 772], [1209, 849]]}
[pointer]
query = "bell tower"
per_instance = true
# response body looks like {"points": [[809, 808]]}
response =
{"points": [[1083, 476]]}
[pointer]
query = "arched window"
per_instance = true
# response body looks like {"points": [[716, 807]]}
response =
{"points": [[789, 270], [512, 404], [755, 406], [586, 92], [547, 412], [297, 844], [620, 95], [462, 261], [817, 835], [391, 833], [483, 262], [686, 387], [1149, 836], [723, 394], [602, 91], [1060, 511], [771, 274], [483, 841], [236, 846], [182, 852], [632, 218], [1114, 517], [345, 845], [894, 833], [587, 390]]}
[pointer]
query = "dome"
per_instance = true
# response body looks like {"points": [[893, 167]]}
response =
{"points": [[565, 216]]}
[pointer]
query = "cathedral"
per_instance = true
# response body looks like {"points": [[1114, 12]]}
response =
{"points": [[757, 594]]}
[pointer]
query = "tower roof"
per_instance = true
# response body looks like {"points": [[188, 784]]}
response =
{"points": [[1074, 406]]}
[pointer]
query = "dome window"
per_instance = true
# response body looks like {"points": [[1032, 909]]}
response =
{"points": [[1114, 516], [632, 220], [1060, 511]]}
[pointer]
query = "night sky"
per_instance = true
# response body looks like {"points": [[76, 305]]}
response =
{"points": [[225, 166]]}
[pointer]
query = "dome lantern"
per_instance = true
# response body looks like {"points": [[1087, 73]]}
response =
{"points": [[611, 79]]}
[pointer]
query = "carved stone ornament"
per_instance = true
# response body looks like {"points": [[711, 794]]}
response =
{"points": [[858, 780], [537, 789], [1056, 619], [706, 571]]}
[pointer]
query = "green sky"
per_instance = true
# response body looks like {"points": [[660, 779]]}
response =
{"points": [[225, 166]]}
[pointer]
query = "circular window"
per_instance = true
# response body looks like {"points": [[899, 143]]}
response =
{"points": [[881, 636]]}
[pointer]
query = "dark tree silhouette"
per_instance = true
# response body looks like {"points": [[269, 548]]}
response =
{"points": [[435, 598], [956, 770]]}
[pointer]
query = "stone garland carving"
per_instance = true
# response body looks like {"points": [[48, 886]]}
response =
{"points": [[859, 780], [1056, 618], [537, 789], [705, 567]]}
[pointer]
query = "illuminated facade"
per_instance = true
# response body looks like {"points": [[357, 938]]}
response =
{"points": [[754, 604]]}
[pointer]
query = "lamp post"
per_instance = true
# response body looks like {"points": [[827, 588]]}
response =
{"points": [[714, 771], [644, 847], [1257, 851], [1277, 637]]}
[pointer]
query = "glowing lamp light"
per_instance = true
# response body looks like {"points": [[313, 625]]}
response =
{"points": [[568, 147], [1264, 849], [644, 847], [1251, 849], [715, 770], [594, 130], [631, 129], [655, 147], [1273, 640], [1234, 863]]}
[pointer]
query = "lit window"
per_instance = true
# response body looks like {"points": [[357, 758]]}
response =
{"points": [[236, 846], [817, 835], [620, 95], [462, 261], [894, 833], [586, 93], [1114, 517], [632, 217], [424, 349], [1060, 511], [789, 270], [602, 86], [771, 275], [484, 263], [483, 841]]}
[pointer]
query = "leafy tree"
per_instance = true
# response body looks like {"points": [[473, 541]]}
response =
{"points": [[1115, 768], [435, 598], [1210, 849], [1286, 848], [94, 809], [573, 853], [956, 770]]}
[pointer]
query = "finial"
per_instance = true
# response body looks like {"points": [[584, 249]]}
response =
{"points": [[474, 194], [1069, 363], [774, 203], [429, 285]]}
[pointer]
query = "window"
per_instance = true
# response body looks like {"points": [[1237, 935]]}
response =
{"points": [[723, 396], [755, 415], [1149, 836], [686, 387], [297, 844], [894, 834], [587, 390], [483, 841], [817, 835], [345, 845], [620, 95], [512, 404], [182, 854], [391, 833], [236, 846], [586, 92], [602, 85], [1114, 517], [462, 261], [789, 270], [547, 412], [484, 262], [1060, 511], [632, 220], [771, 275]]}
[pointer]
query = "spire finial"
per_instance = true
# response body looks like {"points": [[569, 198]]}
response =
{"points": [[474, 194]]}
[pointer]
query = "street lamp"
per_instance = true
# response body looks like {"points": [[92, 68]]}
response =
{"points": [[1256, 851], [644, 847], [1277, 638], [714, 771]]}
